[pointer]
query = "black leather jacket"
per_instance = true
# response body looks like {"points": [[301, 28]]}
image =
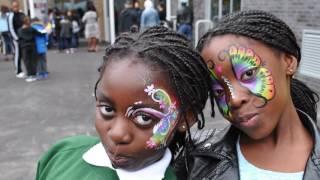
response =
{"points": [[215, 155]]}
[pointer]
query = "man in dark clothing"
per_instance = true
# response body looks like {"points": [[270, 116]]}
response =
{"points": [[15, 23], [128, 18], [185, 19]]}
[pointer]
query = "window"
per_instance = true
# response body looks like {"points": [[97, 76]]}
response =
{"points": [[223, 7]]}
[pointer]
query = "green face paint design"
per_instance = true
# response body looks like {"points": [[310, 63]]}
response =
{"points": [[251, 74], [168, 119]]}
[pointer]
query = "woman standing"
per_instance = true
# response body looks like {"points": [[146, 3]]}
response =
{"points": [[92, 33]]}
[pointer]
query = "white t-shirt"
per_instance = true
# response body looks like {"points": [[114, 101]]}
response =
{"points": [[250, 172]]}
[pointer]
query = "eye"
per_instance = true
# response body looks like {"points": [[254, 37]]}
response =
{"points": [[106, 110], [249, 74], [143, 120], [218, 92]]}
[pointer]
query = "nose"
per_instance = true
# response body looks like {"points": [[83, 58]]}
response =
{"points": [[240, 96], [120, 131]]}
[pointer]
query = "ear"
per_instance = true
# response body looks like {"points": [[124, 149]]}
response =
{"points": [[291, 64], [184, 119]]}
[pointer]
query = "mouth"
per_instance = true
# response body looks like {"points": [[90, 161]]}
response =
{"points": [[119, 161], [247, 120]]}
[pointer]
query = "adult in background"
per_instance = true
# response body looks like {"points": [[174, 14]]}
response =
{"points": [[4, 31], [185, 19], [92, 33], [15, 23], [150, 16], [128, 17]]}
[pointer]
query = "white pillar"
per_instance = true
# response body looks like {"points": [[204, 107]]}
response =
{"points": [[168, 9], [112, 21], [220, 9]]}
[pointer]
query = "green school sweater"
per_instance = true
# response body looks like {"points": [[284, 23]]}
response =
{"points": [[64, 162]]}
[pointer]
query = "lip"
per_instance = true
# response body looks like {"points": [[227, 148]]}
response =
{"points": [[248, 120], [119, 160]]}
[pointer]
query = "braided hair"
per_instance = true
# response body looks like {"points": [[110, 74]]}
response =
{"points": [[272, 31], [171, 52]]}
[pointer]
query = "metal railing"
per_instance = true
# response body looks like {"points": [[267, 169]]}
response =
{"points": [[197, 29]]}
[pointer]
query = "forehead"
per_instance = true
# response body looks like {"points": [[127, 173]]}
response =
{"points": [[219, 46], [129, 77]]}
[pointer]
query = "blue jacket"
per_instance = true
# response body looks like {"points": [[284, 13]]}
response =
{"points": [[41, 40]]}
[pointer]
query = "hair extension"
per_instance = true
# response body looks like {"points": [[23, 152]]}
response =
{"points": [[272, 31], [172, 53]]}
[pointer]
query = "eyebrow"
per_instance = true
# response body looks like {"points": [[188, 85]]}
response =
{"points": [[103, 97]]}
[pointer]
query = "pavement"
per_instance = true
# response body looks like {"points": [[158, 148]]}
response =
{"points": [[35, 115]]}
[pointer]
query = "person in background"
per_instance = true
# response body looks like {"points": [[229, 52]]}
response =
{"points": [[162, 11], [138, 12], [4, 32], [128, 17], [92, 32], [27, 42], [66, 32], [75, 31], [185, 19], [15, 23], [41, 40], [149, 17]]}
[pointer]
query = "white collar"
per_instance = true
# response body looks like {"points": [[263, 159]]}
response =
{"points": [[97, 156]]}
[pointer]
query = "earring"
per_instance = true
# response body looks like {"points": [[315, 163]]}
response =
{"points": [[183, 127]]}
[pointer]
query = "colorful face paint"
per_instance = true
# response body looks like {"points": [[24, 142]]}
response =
{"points": [[250, 72], [218, 90], [168, 118], [229, 85]]}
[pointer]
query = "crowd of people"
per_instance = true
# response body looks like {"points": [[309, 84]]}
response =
{"points": [[27, 40]]}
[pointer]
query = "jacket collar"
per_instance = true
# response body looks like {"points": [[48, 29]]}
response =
{"points": [[221, 144]]}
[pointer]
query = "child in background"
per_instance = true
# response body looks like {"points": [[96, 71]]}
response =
{"points": [[66, 32], [27, 42], [144, 119], [41, 47]]}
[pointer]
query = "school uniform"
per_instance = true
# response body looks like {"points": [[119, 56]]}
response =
{"points": [[84, 158]]}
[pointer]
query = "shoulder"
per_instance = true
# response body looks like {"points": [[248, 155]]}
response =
{"points": [[170, 174], [66, 156], [72, 145], [203, 139]]}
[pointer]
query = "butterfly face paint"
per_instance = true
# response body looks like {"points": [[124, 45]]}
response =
{"points": [[229, 85], [167, 118], [247, 67], [218, 90]]}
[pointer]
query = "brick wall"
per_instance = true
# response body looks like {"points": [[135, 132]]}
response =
{"points": [[297, 14]]}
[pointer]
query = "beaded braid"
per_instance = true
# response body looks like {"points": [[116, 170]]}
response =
{"points": [[171, 52], [272, 31]]}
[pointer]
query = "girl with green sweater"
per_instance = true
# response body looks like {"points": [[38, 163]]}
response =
{"points": [[152, 88]]}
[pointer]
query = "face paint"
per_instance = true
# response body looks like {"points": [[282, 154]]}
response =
{"points": [[218, 90], [229, 85], [251, 74], [162, 128]]}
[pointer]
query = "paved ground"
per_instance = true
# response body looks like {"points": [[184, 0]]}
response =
{"points": [[35, 115]]}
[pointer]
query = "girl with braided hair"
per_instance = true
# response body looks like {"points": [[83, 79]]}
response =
{"points": [[252, 56], [152, 88]]}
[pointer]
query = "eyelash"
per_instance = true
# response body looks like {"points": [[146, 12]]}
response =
{"points": [[254, 72], [133, 117]]}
